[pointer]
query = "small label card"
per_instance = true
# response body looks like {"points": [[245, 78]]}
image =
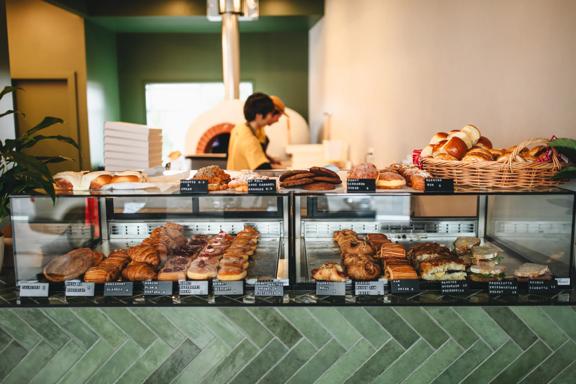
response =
{"points": [[405, 286], [119, 288], [157, 288], [503, 287], [269, 288], [330, 288], [451, 287], [193, 186], [563, 281], [198, 288], [228, 288], [262, 186], [361, 185], [369, 288], [77, 288], [542, 286], [436, 185], [33, 289]]}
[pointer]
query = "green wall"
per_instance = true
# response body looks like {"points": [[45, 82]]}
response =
{"points": [[276, 63], [103, 95]]}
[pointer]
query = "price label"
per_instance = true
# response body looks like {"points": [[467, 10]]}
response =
{"points": [[542, 286], [503, 287], [330, 288], [199, 288], [361, 185], [269, 288], [228, 288], [451, 287], [157, 288], [119, 288], [405, 286], [369, 288], [262, 186], [436, 185], [193, 186], [33, 289], [77, 288], [563, 281]]}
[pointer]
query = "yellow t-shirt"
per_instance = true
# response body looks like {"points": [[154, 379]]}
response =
{"points": [[244, 149]]}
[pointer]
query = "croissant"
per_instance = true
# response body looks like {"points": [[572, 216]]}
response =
{"points": [[329, 272], [120, 252], [136, 271], [144, 254], [100, 275], [364, 270]]}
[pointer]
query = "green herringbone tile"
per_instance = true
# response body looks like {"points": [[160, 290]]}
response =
{"points": [[5, 339], [27, 368], [207, 359], [235, 361], [147, 363], [488, 330], [101, 325], [117, 363], [70, 323], [365, 325], [131, 326], [318, 364], [11, 355], [160, 325], [522, 366], [261, 363], [307, 324], [453, 325], [566, 376], [174, 364], [512, 325], [59, 364], [337, 325], [278, 325], [377, 363], [253, 329], [435, 364], [494, 364], [468, 361], [423, 324], [348, 363], [218, 324], [196, 331], [553, 365], [565, 318], [395, 325], [44, 326], [290, 363], [18, 329], [541, 325], [405, 364], [88, 363]]}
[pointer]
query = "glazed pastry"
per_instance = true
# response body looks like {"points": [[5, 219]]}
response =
{"points": [[400, 272], [202, 269], [174, 269], [231, 273], [363, 171], [392, 251], [100, 275], [217, 179], [329, 272], [390, 180], [144, 254], [69, 266], [136, 271], [363, 270]]}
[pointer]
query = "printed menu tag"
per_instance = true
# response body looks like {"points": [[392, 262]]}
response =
{"points": [[193, 186], [330, 288], [405, 286], [269, 288], [436, 185], [262, 186], [33, 289], [77, 288], [157, 288], [503, 287], [451, 287], [369, 288], [228, 288], [119, 288], [198, 288], [542, 286], [361, 185]]}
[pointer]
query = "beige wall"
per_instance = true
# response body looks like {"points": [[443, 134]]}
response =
{"points": [[393, 72], [48, 42]]}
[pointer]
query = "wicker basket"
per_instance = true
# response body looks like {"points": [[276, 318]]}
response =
{"points": [[493, 174]]}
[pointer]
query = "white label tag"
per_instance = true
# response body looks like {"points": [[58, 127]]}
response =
{"points": [[76, 288], [563, 281], [33, 289], [199, 288]]}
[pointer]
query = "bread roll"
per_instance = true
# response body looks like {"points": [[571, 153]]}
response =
{"points": [[438, 137], [484, 142], [455, 147], [95, 180], [444, 156], [68, 181], [473, 132], [427, 151], [465, 138]]}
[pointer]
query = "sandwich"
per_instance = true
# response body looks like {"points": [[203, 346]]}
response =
{"points": [[483, 253], [485, 271], [463, 245], [533, 271], [443, 269]]}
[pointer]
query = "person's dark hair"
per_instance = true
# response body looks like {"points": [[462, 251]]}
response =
{"points": [[258, 103]]}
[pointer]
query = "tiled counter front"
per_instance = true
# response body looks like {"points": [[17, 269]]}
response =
{"points": [[294, 345]]}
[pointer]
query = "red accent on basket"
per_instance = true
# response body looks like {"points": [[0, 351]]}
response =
{"points": [[416, 160]]}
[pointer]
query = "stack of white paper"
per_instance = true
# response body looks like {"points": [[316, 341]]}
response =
{"points": [[131, 146]]}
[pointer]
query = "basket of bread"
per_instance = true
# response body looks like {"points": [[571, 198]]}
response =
{"points": [[470, 160]]}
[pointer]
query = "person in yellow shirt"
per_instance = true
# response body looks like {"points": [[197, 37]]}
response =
{"points": [[248, 140]]}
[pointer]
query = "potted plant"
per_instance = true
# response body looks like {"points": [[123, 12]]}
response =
{"points": [[21, 172], [566, 147]]}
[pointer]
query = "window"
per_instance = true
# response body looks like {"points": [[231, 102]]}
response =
{"points": [[174, 106]]}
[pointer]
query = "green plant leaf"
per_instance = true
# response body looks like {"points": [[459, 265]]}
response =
{"points": [[45, 123], [565, 146], [31, 164], [33, 140], [566, 173], [7, 90], [8, 112], [53, 159]]}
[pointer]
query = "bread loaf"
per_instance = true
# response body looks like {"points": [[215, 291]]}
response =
{"points": [[144, 254]]}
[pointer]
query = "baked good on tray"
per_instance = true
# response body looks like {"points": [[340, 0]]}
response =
{"points": [[443, 269], [136, 271], [217, 179], [144, 254], [363, 171], [485, 271], [400, 272], [313, 179], [71, 265], [390, 180], [428, 251], [329, 272], [203, 269], [85, 180], [463, 244], [174, 269], [533, 271]]}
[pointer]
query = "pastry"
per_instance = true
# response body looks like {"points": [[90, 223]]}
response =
{"points": [[443, 269], [288, 174], [144, 254], [317, 186], [95, 180], [100, 275], [326, 179], [484, 142], [469, 141], [363, 171], [363, 270], [473, 132], [376, 240], [329, 272], [128, 177], [320, 171], [392, 251], [136, 271], [68, 181], [400, 272], [302, 175], [438, 137], [455, 147], [533, 271], [463, 245], [428, 251], [231, 273], [217, 179], [174, 269], [390, 180], [69, 266], [296, 182]]}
